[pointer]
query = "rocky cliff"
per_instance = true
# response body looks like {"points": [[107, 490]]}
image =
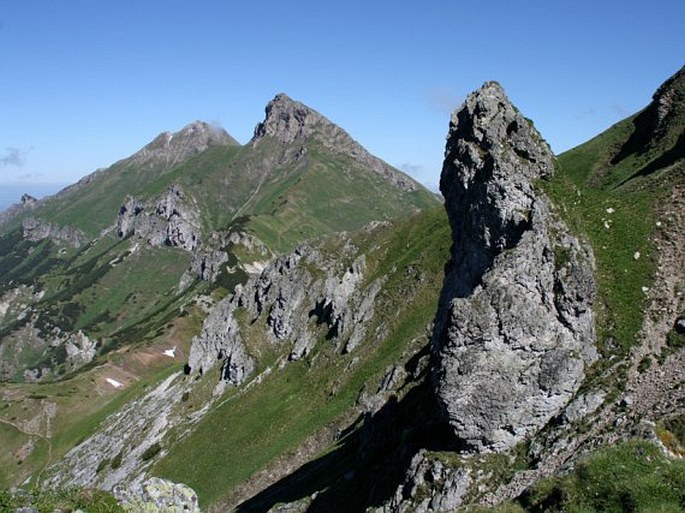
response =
{"points": [[172, 220], [515, 329], [36, 230], [294, 297]]}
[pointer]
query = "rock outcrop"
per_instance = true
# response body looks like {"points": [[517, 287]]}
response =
{"points": [[157, 495], [295, 296], [515, 328], [36, 230], [291, 123], [172, 220]]}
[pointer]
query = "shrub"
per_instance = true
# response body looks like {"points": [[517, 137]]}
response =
{"points": [[151, 452]]}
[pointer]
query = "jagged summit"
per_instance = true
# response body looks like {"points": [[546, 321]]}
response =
{"points": [[288, 120], [490, 144], [293, 123]]}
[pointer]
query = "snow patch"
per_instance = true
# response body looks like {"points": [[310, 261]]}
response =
{"points": [[114, 383], [170, 352]]}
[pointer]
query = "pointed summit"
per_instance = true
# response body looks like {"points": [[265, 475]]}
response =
{"points": [[288, 120], [294, 125]]}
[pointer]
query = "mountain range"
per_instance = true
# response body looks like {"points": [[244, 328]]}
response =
{"points": [[294, 325]]}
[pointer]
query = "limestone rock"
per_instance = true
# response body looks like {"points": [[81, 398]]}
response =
{"points": [[157, 495], [36, 230], [172, 220], [515, 329], [294, 297], [418, 492]]}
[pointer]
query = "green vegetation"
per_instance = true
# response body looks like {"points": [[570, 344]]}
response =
{"points": [[72, 499], [633, 476], [618, 221], [252, 426], [151, 452]]}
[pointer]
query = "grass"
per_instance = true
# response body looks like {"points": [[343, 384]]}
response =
{"points": [[252, 427], [619, 224], [633, 476], [70, 499]]}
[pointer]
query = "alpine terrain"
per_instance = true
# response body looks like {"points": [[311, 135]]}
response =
{"points": [[294, 325]]}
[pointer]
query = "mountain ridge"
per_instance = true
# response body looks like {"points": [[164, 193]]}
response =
{"points": [[519, 347]]}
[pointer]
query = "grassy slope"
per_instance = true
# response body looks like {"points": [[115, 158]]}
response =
{"points": [[82, 401], [253, 427], [618, 221]]}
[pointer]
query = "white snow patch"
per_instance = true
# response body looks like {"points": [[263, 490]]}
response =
{"points": [[610, 210], [607, 225], [170, 352], [658, 223], [645, 289], [636, 255], [114, 383]]}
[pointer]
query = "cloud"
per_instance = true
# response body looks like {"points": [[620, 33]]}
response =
{"points": [[12, 157], [444, 99]]}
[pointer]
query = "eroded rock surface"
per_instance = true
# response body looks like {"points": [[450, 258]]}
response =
{"points": [[515, 329], [172, 220], [37, 230], [295, 296]]}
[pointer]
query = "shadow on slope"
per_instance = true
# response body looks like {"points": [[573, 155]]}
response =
{"points": [[370, 460]]}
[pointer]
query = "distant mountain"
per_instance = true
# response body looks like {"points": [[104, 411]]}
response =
{"points": [[197, 191]]}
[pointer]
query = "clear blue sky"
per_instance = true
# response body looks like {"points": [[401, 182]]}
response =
{"points": [[85, 83]]}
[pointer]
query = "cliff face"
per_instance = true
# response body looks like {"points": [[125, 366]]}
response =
{"points": [[515, 329], [173, 220]]}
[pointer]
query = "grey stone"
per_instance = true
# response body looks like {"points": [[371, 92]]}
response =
{"points": [[172, 220], [515, 329], [36, 230], [157, 495]]}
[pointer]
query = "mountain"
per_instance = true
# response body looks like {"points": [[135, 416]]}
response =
{"points": [[83, 255], [519, 348]]}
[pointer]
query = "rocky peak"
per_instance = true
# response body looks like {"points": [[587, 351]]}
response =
{"points": [[288, 120], [492, 156], [171, 148], [27, 199], [292, 124], [515, 329]]}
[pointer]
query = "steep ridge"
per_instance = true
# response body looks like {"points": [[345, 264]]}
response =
{"points": [[292, 123], [90, 205], [104, 286]]}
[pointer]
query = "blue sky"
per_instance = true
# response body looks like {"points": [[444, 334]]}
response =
{"points": [[85, 83]]}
